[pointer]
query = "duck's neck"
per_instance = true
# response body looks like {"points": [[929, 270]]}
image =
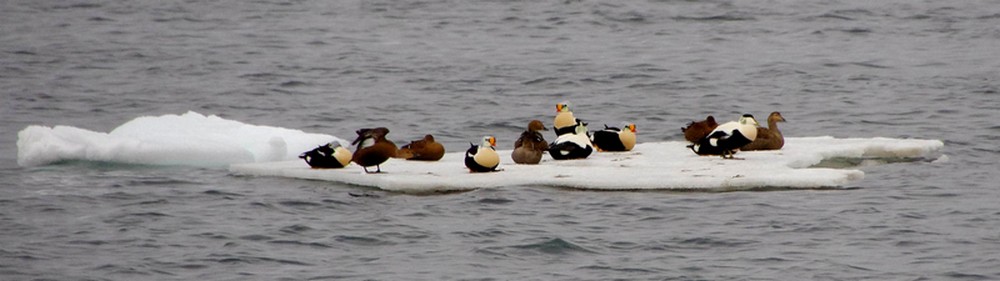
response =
{"points": [[773, 125]]}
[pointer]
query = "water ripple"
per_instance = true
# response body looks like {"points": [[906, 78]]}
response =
{"points": [[495, 201], [300, 243], [554, 246], [296, 229], [460, 70], [705, 243], [362, 241]]}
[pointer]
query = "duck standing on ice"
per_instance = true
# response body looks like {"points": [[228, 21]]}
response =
{"points": [[727, 138], [373, 148]]}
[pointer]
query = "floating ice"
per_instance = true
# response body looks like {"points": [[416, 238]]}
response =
{"points": [[197, 140], [659, 165], [190, 139]]}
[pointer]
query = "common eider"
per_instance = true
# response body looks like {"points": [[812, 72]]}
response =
{"points": [[574, 145], [727, 138], [769, 138]]}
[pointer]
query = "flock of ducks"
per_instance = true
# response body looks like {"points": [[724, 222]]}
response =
{"points": [[573, 141], [710, 138]]}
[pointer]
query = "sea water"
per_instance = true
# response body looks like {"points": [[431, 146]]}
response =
{"points": [[461, 70]]}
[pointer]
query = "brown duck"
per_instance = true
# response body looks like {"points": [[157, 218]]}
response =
{"points": [[769, 138], [695, 131], [529, 147], [373, 148], [425, 149]]}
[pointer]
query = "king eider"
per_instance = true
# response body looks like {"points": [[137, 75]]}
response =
{"points": [[696, 131], [615, 139], [483, 157], [425, 149], [575, 145], [331, 155], [529, 147], [373, 148], [564, 122], [769, 138], [727, 138]]}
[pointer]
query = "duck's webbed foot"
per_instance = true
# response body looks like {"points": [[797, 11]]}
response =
{"points": [[731, 155]]}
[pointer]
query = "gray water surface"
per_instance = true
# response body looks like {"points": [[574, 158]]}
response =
{"points": [[463, 69]]}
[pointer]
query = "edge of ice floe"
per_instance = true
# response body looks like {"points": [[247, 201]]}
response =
{"points": [[651, 166], [189, 139]]}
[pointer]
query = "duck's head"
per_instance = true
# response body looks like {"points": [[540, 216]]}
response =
{"points": [[489, 141], [370, 133], [379, 132], [334, 145], [748, 119], [711, 120], [775, 117], [428, 138], [363, 134], [581, 128], [562, 107], [536, 125], [628, 126]]}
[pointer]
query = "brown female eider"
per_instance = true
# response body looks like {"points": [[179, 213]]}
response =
{"points": [[696, 131], [529, 147], [425, 149], [373, 148], [769, 138]]}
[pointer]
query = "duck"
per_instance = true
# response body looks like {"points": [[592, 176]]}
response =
{"points": [[425, 149], [328, 156], [483, 157], [529, 147], [615, 139], [696, 131], [576, 145], [769, 138], [564, 122], [727, 138], [373, 148]]}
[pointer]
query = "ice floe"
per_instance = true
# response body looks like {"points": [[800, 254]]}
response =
{"points": [[190, 139], [193, 139], [655, 165]]}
